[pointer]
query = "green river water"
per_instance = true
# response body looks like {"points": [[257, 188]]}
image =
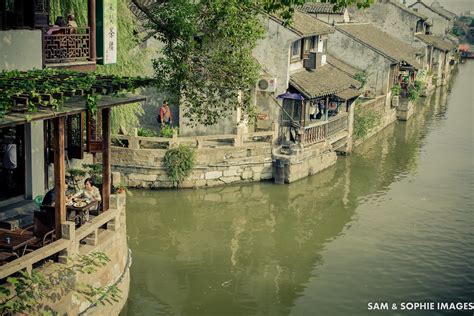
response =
{"points": [[393, 222]]}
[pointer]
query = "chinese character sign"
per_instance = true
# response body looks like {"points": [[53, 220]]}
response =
{"points": [[110, 31]]}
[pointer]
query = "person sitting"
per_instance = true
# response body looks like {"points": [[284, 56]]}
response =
{"points": [[90, 192], [71, 23], [50, 197], [56, 28]]}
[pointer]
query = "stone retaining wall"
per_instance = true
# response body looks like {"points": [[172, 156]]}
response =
{"points": [[143, 168]]}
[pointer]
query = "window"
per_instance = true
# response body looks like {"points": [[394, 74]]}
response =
{"points": [[325, 45], [292, 110], [296, 50], [314, 43], [306, 47]]}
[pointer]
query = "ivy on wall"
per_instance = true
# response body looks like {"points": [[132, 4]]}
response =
{"points": [[131, 58]]}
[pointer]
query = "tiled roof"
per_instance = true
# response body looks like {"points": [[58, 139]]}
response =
{"points": [[339, 64], [381, 42], [325, 80], [408, 10], [442, 11], [305, 25], [315, 7], [436, 41], [348, 94]]}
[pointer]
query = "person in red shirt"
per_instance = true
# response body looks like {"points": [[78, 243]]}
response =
{"points": [[165, 115]]}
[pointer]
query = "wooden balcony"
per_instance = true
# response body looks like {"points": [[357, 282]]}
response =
{"points": [[66, 47], [321, 131]]}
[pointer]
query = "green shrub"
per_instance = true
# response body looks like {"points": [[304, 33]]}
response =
{"points": [[145, 132], [364, 121], [396, 89], [413, 93], [166, 131], [179, 162]]}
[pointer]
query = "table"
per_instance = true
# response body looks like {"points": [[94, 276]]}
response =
{"points": [[17, 241], [80, 214]]}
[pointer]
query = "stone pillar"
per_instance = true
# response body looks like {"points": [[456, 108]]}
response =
{"points": [[34, 154], [350, 127]]}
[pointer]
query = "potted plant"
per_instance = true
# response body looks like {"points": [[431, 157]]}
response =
{"points": [[120, 188]]}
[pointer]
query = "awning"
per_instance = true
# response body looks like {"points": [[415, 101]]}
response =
{"points": [[348, 94], [73, 106], [291, 96]]}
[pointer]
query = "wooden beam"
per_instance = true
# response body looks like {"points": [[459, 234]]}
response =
{"points": [[91, 20], [59, 175], [105, 158]]}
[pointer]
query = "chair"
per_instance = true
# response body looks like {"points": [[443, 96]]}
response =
{"points": [[43, 229], [7, 257]]}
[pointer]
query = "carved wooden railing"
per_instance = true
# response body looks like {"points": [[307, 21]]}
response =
{"points": [[337, 124], [65, 44], [315, 133]]}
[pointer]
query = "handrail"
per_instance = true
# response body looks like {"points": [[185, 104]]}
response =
{"points": [[66, 44], [27, 261]]}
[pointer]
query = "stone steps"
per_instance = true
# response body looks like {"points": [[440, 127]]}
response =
{"points": [[17, 214]]}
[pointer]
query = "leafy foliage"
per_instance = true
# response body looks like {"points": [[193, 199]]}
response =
{"points": [[167, 131], [145, 132], [364, 121], [95, 172], [396, 89], [413, 93], [26, 293], [179, 163], [130, 57], [361, 77], [206, 64]]}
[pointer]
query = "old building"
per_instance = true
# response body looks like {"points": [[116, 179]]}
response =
{"points": [[384, 58], [442, 19], [325, 12], [393, 18]]}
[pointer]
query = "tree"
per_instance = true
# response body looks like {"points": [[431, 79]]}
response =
{"points": [[206, 64]]}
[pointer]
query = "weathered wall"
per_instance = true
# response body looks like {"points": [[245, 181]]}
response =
{"points": [[21, 50], [309, 161], [213, 166], [226, 125], [440, 24], [362, 57], [273, 54], [390, 19]]}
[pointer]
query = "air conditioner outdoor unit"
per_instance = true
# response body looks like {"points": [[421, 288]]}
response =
{"points": [[266, 84]]}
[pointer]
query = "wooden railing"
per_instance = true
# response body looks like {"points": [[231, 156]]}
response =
{"points": [[71, 240], [337, 124], [315, 133], [66, 44]]}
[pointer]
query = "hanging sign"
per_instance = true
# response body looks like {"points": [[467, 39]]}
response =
{"points": [[107, 31]]}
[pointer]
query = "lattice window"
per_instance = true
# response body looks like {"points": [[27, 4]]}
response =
{"points": [[94, 132]]}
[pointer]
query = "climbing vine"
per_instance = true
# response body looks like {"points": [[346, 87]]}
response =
{"points": [[131, 58], [25, 294], [364, 121], [179, 162]]}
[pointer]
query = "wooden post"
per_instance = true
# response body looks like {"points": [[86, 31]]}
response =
{"points": [[105, 158], [91, 20], [59, 175]]}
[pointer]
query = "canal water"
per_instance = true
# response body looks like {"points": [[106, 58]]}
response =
{"points": [[393, 222]]}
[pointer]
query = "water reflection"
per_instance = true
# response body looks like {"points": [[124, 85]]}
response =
{"points": [[252, 249]]}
